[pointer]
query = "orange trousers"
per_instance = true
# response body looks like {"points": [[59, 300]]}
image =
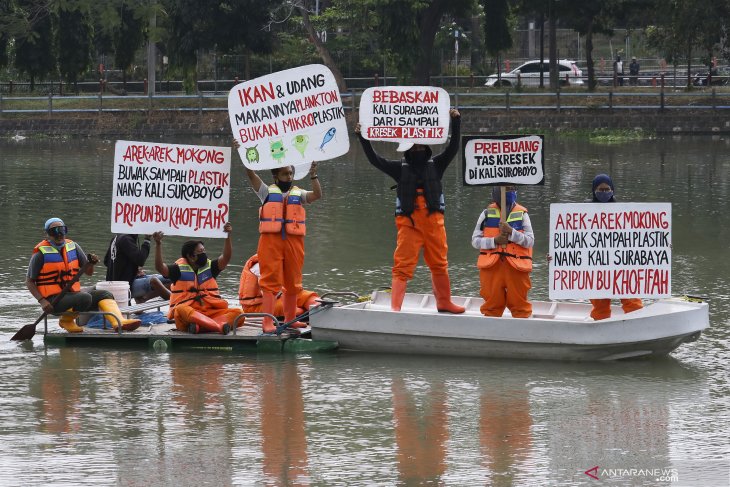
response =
{"points": [[302, 298], [281, 261], [504, 286], [220, 315], [602, 307], [425, 232]]}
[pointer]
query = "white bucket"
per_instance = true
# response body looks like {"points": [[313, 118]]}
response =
{"points": [[120, 290]]}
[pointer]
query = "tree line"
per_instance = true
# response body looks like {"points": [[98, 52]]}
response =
{"points": [[52, 39]]}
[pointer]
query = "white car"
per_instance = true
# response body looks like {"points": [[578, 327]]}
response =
{"points": [[529, 74]]}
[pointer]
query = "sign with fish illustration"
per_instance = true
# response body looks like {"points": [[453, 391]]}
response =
{"points": [[418, 114], [292, 117]]}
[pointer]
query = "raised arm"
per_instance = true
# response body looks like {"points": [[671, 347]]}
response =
{"points": [[159, 264], [443, 160], [225, 257], [316, 192], [254, 179], [391, 168]]}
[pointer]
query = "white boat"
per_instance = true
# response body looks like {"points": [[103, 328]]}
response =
{"points": [[556, 330]]}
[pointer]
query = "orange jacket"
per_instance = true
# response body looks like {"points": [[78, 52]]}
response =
{"points": [[58, 268], [198, 290], [249, 292], [518, 256], [275, 211]]}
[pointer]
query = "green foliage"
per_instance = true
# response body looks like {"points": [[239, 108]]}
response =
{"points": [[34, 50], [497, 32], [74, 35]]}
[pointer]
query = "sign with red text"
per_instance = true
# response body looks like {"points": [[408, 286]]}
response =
{"points": [[610, 250], [503, 159], [176, 189], [418, 114], [292, 117]]}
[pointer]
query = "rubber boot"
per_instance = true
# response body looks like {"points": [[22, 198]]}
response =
{"points": [[68, 323], [267, 306], [442, 293], [290, 310], [397, 293], [199, 323], [111, 306]]}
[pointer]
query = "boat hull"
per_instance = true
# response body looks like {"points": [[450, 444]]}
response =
{"points": [[557, 331]]}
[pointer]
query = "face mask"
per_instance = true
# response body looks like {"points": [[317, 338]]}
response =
{"points": [[58, 231], [284, 186], [418, 157], [511, 198], [604, 196], [201, 259]]}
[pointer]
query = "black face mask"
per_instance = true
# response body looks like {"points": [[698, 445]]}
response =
{"points": [[418, 157], [284, 186], [201, 259]]}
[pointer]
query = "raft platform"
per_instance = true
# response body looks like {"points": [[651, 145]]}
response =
{"points": [[165, 337]]}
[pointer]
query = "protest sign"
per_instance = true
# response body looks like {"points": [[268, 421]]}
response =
{"points": [[287, 118], [610, 250], [503, 159], [176, 189], [418, 114]]}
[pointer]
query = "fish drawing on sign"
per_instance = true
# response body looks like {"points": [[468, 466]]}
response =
{"points": [[277, 150], [327, 137], [300, 143], [252, 154]]}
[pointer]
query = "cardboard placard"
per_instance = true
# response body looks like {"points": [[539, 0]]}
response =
{"points": [[610, 250], [176, 189], [292, 117], [503, 159]]}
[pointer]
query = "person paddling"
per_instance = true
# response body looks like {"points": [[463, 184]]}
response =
{"points": [[57, 260], [419, 214]]}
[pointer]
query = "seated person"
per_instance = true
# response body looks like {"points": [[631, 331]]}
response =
{"points": [[124, 260], [251, 297], [55, 262], [195, 303]]}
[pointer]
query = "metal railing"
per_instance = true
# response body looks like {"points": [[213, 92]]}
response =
{"points": [[479, 99]]}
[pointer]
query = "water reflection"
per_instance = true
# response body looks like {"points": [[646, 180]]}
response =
{"points": [[88, 416]]}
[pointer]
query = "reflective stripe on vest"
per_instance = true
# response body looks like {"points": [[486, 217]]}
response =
{"points": [[58, 268], [518, 256], [277, 214], [196, 289]]}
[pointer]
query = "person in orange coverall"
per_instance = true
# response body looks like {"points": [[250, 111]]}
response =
{"points": [[505, 259], [282, 227], [419, 214]]}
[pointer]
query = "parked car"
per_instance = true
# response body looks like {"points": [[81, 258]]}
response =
{"points": [[720, 77], [529, 74]]}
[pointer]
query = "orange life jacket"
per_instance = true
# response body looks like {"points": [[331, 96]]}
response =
{"points": [[249, 292], [276, 213], [518, 256], [58, 268], [197, 289]]}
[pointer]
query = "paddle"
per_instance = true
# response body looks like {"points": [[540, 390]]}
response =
{"points": [[28, 331], [314, 309]]}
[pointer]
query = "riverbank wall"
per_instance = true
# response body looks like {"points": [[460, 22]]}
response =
{"points": [[142, 125]]}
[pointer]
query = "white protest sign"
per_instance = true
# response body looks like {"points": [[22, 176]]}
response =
{"points": [[291, 117], [610, 250], [176, 189], [503, 159], [418, 114]]}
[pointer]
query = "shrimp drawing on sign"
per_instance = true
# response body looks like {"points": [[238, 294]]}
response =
{"points": [[327, 137]]}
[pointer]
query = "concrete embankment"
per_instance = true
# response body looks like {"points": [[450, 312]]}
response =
{"points": [[142, 124]]}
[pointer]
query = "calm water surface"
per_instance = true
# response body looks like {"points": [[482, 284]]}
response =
{"points": [[83, 416]]}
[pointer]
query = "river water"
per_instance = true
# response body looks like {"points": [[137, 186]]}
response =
{"points": [[83, 416]]}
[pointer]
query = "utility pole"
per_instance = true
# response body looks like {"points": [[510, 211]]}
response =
{"points": [[151, 53]]}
